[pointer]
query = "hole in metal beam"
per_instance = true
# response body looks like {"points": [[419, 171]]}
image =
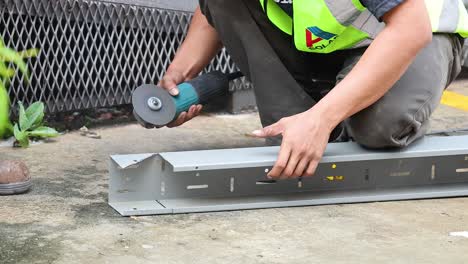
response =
{"points": [[194, 187], [265, 182], [400, 173], [462, 170], [433, 171], [231, 188]]}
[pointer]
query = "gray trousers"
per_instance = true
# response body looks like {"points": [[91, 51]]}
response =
{"points": [[288, 82]]}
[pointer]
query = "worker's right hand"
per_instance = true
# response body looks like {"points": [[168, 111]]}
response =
{"points": [[169, 82]]}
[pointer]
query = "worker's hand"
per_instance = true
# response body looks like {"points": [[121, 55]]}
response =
{"points": [[169, 82], [304, 141]]}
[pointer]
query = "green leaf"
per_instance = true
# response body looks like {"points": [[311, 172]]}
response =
{"points": [[9, 55], [21, 136], [5, 71], [30, 53], [35, 114], [23, 118], [5, 124], [44, 132], [17, 132]]}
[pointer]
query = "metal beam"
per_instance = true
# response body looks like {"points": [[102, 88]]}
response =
{"points": [[235, 179]]}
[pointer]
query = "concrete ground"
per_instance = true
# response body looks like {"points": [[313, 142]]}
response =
{"points": [[66, 219]]}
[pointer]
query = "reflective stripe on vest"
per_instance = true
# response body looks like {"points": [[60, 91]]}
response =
{"points": [[325, 26]]}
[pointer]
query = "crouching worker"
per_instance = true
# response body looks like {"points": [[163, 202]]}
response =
{"points": [[323, 70]]}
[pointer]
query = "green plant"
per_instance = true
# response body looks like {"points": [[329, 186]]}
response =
{"points": [[5, 125], [31, 124], [10, 57]]}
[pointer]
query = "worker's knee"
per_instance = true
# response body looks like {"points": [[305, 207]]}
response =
{"points": [[386, 129]]}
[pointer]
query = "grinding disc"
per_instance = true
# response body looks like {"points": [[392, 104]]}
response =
{"points": [[142, 122], [160, 117]]}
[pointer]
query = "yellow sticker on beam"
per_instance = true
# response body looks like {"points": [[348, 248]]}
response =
{"points": [[335, 178], [456, 100]]}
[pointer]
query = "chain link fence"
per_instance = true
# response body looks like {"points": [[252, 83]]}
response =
{"points": [[93, 53]]}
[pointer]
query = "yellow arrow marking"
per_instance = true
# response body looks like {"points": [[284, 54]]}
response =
{"points": [[456, 100]]}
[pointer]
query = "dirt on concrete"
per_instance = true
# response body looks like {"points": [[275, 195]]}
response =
{"points": [[66, 219]]}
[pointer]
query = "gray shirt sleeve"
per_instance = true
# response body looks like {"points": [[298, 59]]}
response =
{"points": [[380, 7], [205, 11]]}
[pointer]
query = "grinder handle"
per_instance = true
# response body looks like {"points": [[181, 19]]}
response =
{"points": [[210, 85]]}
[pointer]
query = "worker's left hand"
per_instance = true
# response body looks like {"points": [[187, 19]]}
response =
{"points": [[305, 137]]}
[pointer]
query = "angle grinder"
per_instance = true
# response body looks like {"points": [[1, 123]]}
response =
{"points": [[153, 106]]}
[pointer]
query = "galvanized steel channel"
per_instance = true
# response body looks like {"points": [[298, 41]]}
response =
{"points": [[235, 179]]}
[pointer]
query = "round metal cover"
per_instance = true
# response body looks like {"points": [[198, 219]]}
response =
{"points": [[160, 117]]}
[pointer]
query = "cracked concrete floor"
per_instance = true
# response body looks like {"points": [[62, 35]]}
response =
{"points": [[65, 218]]}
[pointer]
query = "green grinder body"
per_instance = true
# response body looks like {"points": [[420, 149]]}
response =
{"points": [[154, 106]]}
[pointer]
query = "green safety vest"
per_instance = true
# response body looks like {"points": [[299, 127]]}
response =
{"points": [[325, 26]]}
